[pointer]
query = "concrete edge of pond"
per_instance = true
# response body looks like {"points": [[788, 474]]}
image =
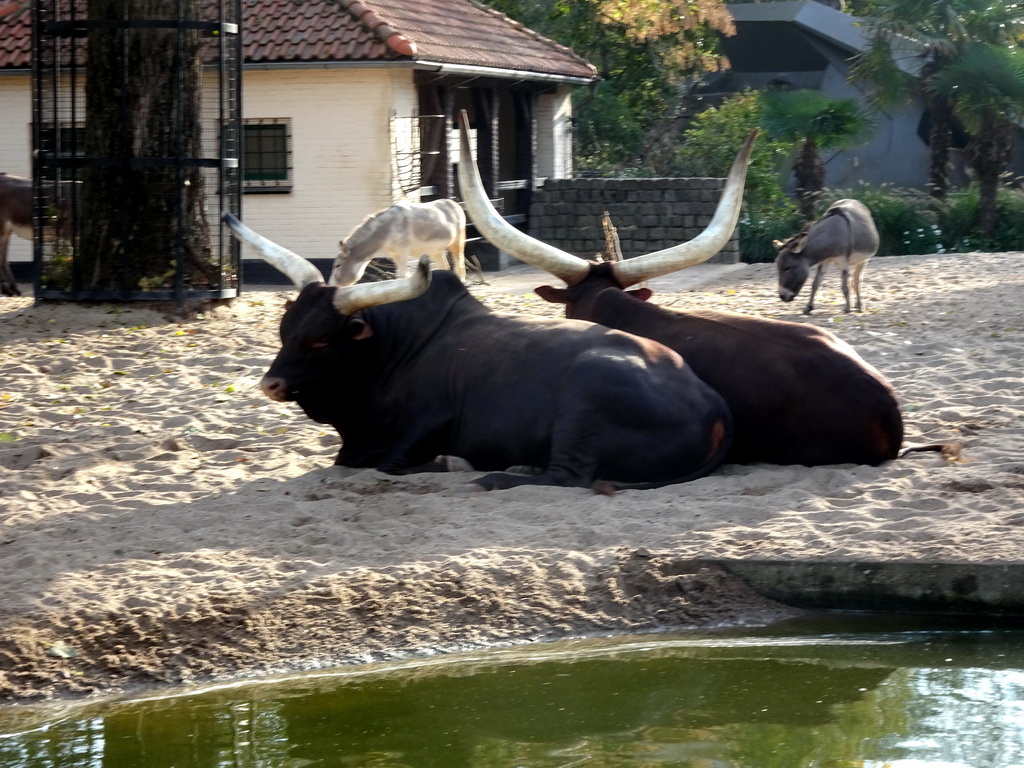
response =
{"points": [[914, 587]]}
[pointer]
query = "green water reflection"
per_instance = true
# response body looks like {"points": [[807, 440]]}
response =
{"points": [[921, 699]]}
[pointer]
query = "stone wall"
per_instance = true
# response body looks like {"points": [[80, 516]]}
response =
{"points": [[649, 214]]}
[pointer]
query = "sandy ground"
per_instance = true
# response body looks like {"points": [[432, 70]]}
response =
{"points": [[163, 522]]}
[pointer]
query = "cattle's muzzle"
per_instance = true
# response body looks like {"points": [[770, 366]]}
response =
{"points": [[786, 295], [275, 388]]}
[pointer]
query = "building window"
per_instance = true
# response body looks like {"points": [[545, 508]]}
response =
{"points": [[267, 155]]}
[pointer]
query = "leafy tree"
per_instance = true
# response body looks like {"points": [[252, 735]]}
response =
{"points": [[710, 144], [642, 50], [912, 41], [813, 122], [985, 85], [707, 149]]}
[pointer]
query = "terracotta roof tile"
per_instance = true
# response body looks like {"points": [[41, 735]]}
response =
{"points": [[461, 32], [15, 35]]}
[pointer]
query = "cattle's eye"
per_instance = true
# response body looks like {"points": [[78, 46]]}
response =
{"points": [[319, 343]]}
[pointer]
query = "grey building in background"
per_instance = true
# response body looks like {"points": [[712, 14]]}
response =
{"points": [[806, 44]]}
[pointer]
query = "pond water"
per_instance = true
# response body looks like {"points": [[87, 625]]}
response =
{"points": [[859, 695]]}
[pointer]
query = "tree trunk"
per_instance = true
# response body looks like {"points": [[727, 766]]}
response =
{"points": [[988, 154], [142, 210], [809, 172], [940, 112]]}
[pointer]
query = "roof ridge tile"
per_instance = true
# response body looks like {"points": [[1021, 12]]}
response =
{"points": [[390, 36]]}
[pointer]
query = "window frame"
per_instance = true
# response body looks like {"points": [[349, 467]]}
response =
{"points": [[284, 182]]}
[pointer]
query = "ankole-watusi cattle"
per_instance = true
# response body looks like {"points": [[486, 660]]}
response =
{"points": [[412, 369], [798, 394], [845, 236], [15, 218], [403, 233]]}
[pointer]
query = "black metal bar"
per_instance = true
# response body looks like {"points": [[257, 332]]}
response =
{"points": [[126, 132], [81, 27], [180, 202], [136, 162], [59, 36], [37, 110]]}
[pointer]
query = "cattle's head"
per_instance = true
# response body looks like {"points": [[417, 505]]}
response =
{"points": [[580, 299], [321, 324], [572, 269], [792, 265]]}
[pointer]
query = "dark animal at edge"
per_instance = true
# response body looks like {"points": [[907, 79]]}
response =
{"points": [[798, 394], [15, 218], [845, 235], [434, 372]]}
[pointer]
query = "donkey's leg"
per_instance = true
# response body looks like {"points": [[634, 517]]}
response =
{"points": [[8, 285], [857, 271], [814, 288], [846, 287], [439, 259], [457, 248], [401, 259]]}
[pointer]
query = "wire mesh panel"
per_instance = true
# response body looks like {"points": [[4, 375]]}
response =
{"points": [[137, 138]]}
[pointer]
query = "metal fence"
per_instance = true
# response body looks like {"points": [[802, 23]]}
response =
{"points": [[137, 137]]}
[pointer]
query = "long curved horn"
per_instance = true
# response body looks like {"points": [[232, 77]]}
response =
{"points": [[299, 270], [499, 232], [709, 242], [350, 299]]}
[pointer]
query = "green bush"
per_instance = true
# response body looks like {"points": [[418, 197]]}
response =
{"points": [[708, 149], [709, 146], [1009, 235], [758, 231], [958, 217]]}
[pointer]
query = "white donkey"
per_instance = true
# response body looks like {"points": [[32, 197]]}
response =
{"points": [[15, 218], [404, 232]]}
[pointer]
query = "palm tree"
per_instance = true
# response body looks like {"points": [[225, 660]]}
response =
{"points": [[985, 85], [913, 41], [813, 122]]}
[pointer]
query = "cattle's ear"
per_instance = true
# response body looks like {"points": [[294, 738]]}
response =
{"points": [[643, 294], [552, 294], [798, 242], [778, 244], [358, 329], [288, 304]]}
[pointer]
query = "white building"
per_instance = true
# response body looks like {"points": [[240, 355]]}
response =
{"points": [[349, 106]]}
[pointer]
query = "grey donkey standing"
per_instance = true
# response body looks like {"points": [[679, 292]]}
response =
{"points": [[845, 235]]}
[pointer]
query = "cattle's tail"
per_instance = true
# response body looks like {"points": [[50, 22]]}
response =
{"points": [[951, 452], [721, 438]]}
